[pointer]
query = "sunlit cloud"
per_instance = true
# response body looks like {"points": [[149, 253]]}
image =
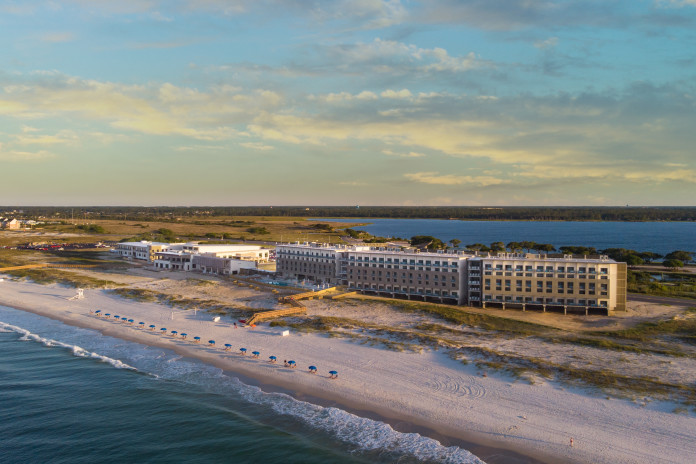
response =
{"points": [[435, 178]]}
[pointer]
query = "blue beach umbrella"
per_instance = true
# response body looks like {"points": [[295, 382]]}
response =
{"points": [[292, 364], [130, 321], [255, 353], [124, 318], [98, 311], [313, 369], [141, 323], [196, 339], [152, 326], [211, 342], [228, 347], [116, 316], [184, 335], [333, 374], [175, 333], [243, 350], [107, 314], [163, 330], [272, 358]]}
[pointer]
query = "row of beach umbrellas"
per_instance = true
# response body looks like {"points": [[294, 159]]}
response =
{"points": [[228, 347]]}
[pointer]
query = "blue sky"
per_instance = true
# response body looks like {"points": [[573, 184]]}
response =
{"points": [[395, 102]]}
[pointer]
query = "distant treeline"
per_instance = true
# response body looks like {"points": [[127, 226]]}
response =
{"points": [[508, 213]]}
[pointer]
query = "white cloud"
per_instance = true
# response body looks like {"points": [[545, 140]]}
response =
{"points": [[257, 146], [402, 94], [551, 42], [435, 178]]}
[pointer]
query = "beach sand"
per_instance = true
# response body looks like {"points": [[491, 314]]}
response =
{"points": [[413, 391]]}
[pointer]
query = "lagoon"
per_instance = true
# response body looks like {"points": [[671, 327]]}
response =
{"points": [[657, 237]]}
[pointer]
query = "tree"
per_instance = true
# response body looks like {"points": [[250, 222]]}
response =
{"points": [[477, 247], [527, 245], [544, 247], [427, 241], [672, 263], [514, 246], [497, 246], [680, 255], [633, 260], [649, 256], [455, 243]]}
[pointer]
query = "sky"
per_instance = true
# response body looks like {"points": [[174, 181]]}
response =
{"points": [[338, 102]]}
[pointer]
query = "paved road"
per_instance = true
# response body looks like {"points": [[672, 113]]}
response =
{"points": [[661, 299]]}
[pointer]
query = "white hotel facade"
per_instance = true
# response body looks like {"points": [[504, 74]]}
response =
{"points": [[523, 281]]}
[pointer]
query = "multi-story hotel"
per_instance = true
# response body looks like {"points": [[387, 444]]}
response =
{"points": [[540, 281], [524, 281]]}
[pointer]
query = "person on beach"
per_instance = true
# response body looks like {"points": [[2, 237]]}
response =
{"points": [[235, 325], [285, 362], [571, 442]]}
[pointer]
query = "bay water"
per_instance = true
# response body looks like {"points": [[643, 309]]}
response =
{"points": [[657, 237]]}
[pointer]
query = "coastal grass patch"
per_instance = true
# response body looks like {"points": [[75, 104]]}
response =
{"points": [[459, 315], [178, 301], [607, 344], [603, 379], [46, 276], [682, 327]]}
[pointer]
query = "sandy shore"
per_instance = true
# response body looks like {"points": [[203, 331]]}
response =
{"points": [[427, 389]]}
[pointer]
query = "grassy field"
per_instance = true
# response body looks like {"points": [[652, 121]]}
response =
{"points": [[242, 228]]}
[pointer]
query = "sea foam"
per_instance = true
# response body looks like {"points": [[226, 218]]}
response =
{"points": [[358, 433]]}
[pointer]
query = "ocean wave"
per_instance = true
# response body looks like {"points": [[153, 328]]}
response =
{"points": [[76, 350], [361, 434], [366, 434]]}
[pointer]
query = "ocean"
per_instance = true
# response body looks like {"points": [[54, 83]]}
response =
{"points": [[73, 395], [657, 237]]}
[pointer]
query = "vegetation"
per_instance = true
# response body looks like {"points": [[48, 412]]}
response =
{"points": [[517, 213], [428, 242], [673, 284]]}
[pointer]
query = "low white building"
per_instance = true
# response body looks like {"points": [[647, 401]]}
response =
{"points": [[143, 250]]}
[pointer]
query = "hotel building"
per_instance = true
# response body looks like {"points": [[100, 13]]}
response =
{"points": [[522, 281]]}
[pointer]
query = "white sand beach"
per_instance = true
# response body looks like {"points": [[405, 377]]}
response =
{"points": [[426, 389]]}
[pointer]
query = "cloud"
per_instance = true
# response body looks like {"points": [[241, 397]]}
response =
{"points": [[257, 146], [62, 138], [58, 37], [403, 93], [435, 178], [551, 42], [20, 155], [163, 109], [411, 154]]}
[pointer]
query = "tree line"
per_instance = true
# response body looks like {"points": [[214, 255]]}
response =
{"points": [[506, 213]]}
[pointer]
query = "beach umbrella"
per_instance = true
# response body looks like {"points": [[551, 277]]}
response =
{"points": [[97, 312], [175, 333], [313, 369], [163, 330], [243, 350], [228, 347], [211, 342], [184, 335], [116, 316], [196, 339], [333, 374], [130, 321], [141, 323], [255, 353], [107, 314], [292, 364], [152, 326], [124, 318], [272, 358]]}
